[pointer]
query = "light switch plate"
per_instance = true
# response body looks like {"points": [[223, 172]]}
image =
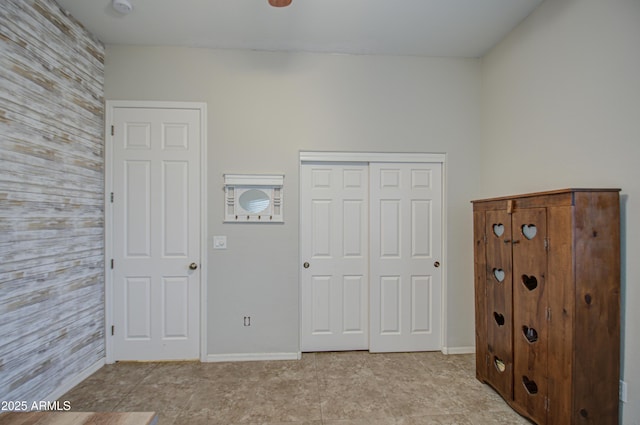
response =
{"points": [[219, 242]]}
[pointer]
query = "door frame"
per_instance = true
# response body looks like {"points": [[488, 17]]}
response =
{"points": [[111, 106], [390, 157]]}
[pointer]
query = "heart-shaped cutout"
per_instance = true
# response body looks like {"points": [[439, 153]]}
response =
{"points": [[499, 318], [499, 364], [498, 229], [530, 386], [529, 231], [530, 333], [530, 282], [498, 274]]}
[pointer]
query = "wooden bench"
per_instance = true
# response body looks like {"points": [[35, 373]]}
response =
{"points": [[78, 418]]}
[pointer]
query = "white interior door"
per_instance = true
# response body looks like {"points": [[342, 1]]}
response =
{"points": [[406, 247], [156, 233], [334, 245]]}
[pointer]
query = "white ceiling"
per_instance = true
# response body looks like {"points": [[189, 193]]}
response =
{"points": [[460, 28]]}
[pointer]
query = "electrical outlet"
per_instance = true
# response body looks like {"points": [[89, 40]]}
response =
{"points": [[247, 320], [624, 395]]}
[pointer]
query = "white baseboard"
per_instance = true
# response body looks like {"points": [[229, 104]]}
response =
{"points": [[459, 350], [74, 380], [247, 357]]}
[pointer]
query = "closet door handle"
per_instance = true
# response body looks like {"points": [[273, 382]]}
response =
{"points": [[305, 265], [436, 264]]}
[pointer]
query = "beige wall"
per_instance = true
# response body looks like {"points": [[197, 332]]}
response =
{"points": [[561, 108], [264, 107]]}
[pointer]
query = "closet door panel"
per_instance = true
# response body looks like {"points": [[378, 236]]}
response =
{"points": [[334, 245], [405, 255]]}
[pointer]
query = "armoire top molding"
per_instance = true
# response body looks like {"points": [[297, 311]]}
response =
{"points": [[548, 192]]}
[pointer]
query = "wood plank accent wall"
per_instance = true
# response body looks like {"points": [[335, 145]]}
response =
{"points": [[51, 199]]}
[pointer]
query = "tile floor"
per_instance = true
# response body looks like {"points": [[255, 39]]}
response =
{"points": [[345, 388]]}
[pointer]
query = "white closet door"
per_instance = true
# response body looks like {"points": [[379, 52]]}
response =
{"points": [[406, 245], [334, 244]]}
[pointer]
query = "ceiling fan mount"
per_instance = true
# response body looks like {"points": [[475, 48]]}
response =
{"points": [[279, 3]]}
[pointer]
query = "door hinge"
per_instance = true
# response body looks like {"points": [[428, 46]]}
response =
{"points": [[546, 244], [546, 404], [112, 264], [548, 314], [112, 131], [111, 197], [113, 330]]}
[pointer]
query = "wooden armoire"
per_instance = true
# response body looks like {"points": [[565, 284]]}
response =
{"points": [[547, 303]]}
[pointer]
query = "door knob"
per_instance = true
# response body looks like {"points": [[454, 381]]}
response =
{"points": [[436, 264], [193, 266], [305, 265]]}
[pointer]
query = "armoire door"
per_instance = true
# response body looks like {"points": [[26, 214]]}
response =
{"points": [[334, 211], [530, 314], [498, 284]]}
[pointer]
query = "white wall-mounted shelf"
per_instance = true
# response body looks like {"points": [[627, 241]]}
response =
{"points": [[253, 198]]}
